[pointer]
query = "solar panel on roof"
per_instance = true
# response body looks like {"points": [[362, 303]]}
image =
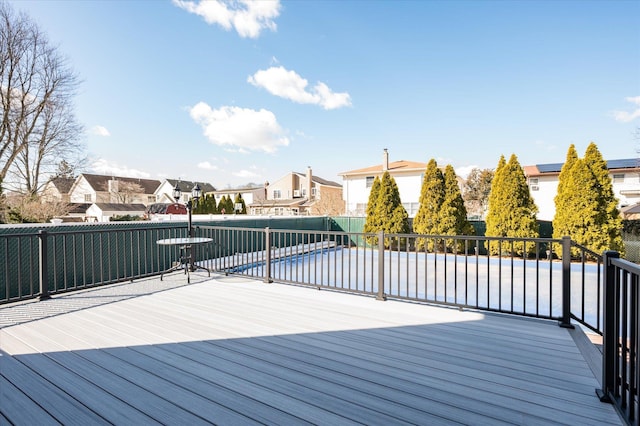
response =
{"points": [[549, 168], [626, 163]]}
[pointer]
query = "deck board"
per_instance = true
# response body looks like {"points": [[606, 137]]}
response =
{"points": [[228, 350]]}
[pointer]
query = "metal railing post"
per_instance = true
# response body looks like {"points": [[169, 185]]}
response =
{"points": [[565, 322], [381, 295], [609, 334], [267, 265], [43, 265]]}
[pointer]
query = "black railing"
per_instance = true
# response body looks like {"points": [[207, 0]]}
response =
{"points": [[528, 277], [620, 370], [516, 276], [41, 262]]}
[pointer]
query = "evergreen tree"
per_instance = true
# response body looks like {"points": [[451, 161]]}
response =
{"points": [[371, 225], [226, 205], [453, 214], [564, 198], [390, 215], [240, 200], [607, 232], [512, 211], [432, 195]]}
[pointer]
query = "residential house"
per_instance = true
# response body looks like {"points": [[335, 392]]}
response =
{"points": [[90, 188], [164, 191], [250, 194], [300, 194], [407, 174], [57, 189], [103, 212], [543, 184]]}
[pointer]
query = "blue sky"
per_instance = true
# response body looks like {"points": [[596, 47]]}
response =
{"points": [[232, 93]]}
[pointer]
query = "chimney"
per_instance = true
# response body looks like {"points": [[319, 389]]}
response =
{"points": [[309, 182], [385, 160]]}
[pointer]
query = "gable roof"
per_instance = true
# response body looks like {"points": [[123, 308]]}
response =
{"points": [[394, 166], [101, 182], [186, 186], [63, 184], [319, 180]]}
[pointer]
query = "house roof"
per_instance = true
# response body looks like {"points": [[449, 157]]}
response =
{"points": [[555, 168], [63, 184], [120, 207], [319, 180], [187, 186], [101, 182], [79, 208], [394, 167]]}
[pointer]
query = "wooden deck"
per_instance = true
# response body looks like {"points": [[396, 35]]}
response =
{"points": [[228, 350]]}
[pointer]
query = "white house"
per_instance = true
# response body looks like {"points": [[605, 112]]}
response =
{"points": [[250, 194], [543, 184], [164, 191], [103, 212], [407, 174], [90, 188]]}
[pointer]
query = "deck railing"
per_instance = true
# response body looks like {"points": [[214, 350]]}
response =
{"points": [[529, 277], [518, 276], [620, 372]]}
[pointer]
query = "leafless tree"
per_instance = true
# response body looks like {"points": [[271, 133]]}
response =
{"points": [[329, 204], [476, 191], [38, 127], [124, 192]]}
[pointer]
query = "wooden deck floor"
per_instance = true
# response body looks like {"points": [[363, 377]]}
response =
{"points": [[228, 350]]}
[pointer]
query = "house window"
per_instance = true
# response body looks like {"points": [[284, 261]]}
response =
{"points": [[618, 178], [279, 211], [295, 211], [151, 199], [369, 181], [533, 181], [314, 191], [87, 198], [277, 194]]}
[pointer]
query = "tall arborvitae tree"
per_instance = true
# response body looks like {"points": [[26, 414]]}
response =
{"points": [[512, 211], [453, 213], [371, 223], [390, 213], [563, 217], [239, 200], [608, 227], [432, 195], [581, 216]]}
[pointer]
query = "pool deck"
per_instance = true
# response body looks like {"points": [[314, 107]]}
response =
{"points": [[231, 350]]}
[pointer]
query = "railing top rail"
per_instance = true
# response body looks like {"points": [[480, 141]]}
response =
{"points": [[625, 265]]}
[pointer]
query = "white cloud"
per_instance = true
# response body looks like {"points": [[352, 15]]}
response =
{"points": [[248, 17], [463, 171], [206, 165], [289, 85], [100, 131], [626, 116], [240, 129], [245, 174], [105, 167]]}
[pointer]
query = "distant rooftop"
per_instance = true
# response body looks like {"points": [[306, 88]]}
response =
{"points": [[625, 163]]}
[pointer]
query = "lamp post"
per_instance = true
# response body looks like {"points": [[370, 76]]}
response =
{"points": [[196, 193]]}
